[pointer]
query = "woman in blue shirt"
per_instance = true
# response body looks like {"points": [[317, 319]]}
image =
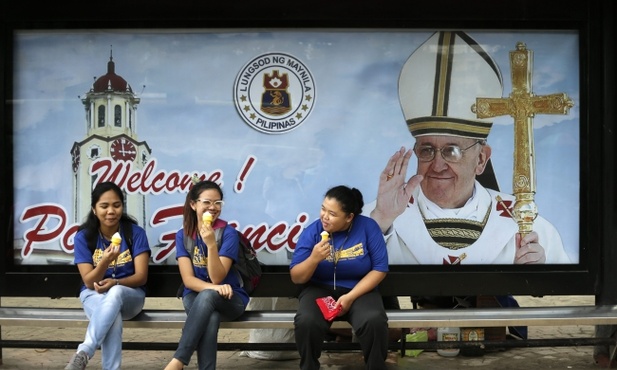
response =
{"points": [[212, 290], [348, 266], [113, 277]]}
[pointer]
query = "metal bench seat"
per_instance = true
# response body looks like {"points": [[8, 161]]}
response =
{"points": [[405, 318], [399, 319]]}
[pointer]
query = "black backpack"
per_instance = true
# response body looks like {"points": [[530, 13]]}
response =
{"points": [[247, 265]]}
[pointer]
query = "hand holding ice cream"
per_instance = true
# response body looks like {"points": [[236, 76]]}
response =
{"points": [[321, 251]]}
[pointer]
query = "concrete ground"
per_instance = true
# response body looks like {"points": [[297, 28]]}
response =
{"points": [[510, 359]]}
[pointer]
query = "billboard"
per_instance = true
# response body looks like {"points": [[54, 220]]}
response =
{"points": [[276, 117]]}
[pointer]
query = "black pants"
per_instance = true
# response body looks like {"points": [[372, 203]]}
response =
{"points": [[366, 316]]}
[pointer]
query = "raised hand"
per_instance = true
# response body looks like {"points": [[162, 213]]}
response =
{"points": [[393, 193]]}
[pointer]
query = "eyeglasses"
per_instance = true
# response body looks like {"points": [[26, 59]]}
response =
{"points": [[209, 203], [450, 153]]}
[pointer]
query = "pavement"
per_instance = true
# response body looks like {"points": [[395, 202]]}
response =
{"points": [[510, 359]]}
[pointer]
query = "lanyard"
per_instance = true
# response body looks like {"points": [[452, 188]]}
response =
{"points": [[202, 248], [335, 254]]}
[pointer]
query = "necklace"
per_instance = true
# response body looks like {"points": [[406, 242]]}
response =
{"points": [[108, 237]]}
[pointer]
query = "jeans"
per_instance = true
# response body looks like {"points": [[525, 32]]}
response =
{"points": [[106, 312], [205, 311]]}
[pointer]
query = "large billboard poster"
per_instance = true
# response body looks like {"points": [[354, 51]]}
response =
{"points": [[276, 117]]}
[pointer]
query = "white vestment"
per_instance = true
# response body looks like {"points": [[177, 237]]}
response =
{"points": [[409, 241]]}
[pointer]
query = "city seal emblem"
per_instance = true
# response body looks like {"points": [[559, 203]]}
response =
{"points": [[274, 93]]}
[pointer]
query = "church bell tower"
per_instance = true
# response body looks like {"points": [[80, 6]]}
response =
{"points": [[111, 133]]}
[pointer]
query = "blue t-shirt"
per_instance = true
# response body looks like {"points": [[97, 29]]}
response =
{"points": [[228, 248], [124, 265], [359, 250]]}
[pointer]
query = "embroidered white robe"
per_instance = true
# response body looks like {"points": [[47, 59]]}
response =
{"points": [[409, 242]]}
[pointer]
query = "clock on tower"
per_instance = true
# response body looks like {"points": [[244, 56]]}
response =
{"points": [[122, 149]]}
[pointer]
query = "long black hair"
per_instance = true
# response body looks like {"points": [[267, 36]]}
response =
{"points": [[92, 224]]}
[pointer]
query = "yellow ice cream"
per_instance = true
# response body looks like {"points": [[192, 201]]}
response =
{"points": [[324, 235], [116, 239], [207, 218]]}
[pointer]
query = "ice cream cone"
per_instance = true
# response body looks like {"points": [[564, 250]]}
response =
{"points": [[324, 235], [116, 239], [207, 218]]}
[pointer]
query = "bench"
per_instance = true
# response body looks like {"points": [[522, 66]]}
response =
{"points": [[278, 284], [398, 319]]}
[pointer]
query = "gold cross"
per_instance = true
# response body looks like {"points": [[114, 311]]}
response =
{"points": [[523, 105]]}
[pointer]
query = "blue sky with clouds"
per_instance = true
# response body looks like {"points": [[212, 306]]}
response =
{"points": [[188, 118]]}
